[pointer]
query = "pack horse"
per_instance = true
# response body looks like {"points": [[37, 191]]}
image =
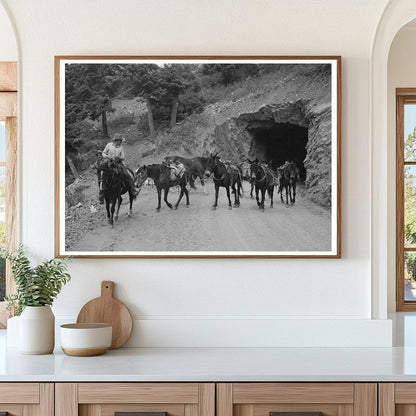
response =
{"points": [[162, 178], [226, 177]]}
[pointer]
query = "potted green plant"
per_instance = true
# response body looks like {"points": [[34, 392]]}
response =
{"points": [[36, 289]]}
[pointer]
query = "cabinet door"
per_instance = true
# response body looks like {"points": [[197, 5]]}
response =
{"points": [[297, 399], [26, 399], [397, 399], [142, 399]]}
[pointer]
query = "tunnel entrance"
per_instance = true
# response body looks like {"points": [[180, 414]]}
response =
{"points": [[278, 142], [299, 131]]}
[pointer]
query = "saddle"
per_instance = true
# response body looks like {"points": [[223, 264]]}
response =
{"points": [[127, 175], [269, 177], [176, 171], [272, 179], [230, 167]]}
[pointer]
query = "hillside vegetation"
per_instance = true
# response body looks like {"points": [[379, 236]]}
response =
{"points": [[176, 109]]}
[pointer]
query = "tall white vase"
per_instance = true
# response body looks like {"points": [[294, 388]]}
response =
{"points": [[37, 330]]}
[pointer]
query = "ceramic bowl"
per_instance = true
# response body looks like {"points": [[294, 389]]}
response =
{"points": [[83, 340]]}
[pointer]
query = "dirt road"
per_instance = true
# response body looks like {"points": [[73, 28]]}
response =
{"points": [[301, 227]]}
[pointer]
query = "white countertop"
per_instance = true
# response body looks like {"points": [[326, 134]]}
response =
{"points": [[215, 364], [222, 364]]}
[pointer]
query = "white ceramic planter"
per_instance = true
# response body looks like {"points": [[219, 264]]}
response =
{"points": [[37, 330]]}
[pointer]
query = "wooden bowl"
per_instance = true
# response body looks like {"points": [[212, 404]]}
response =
{"points": [[84, 340]]}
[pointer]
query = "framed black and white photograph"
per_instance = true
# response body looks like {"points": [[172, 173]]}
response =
{"points": [[198, 156]]}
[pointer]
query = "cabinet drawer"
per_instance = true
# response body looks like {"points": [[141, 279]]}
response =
{"points": [[309, 399], [397, 399], [21, 399], [19, 393], [147, 399], [138, 393]]}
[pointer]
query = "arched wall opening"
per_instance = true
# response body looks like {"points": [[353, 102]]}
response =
{"points": [[396, 15], [8, 143], [401, 74]]}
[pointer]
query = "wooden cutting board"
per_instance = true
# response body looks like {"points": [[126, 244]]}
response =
{"points": [[108, 310]]}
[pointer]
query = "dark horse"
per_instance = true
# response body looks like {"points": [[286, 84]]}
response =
{"points": [[195, 168], [248, 177], [227, 177], [264, 180], [113, 184], [162, 179], [288, 176]]}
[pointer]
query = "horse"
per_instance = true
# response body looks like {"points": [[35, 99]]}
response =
{"points": [[227, 177], [160, 173], [113, 184], [195, 168], [264, 180], [248, 176], [288, 176], [245, 170]]}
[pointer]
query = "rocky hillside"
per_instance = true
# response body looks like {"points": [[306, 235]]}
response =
{"points": [[280, 115], [300, 97]]}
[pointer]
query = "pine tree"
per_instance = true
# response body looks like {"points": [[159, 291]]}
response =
{"points": [[89, 89], [142, 81]]}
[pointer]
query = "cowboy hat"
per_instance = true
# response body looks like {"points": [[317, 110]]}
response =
{"points": [[118, 137]]}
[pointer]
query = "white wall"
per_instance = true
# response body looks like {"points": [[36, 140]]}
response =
{"points": [[8, 47], [204, 302], [401, 74]]}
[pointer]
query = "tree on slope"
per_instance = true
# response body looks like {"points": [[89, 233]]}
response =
{"points": [[89, 89], [142, 80], [177, 79]]}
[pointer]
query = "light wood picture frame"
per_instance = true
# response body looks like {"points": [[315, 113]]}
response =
{"points": [[259, 125]]}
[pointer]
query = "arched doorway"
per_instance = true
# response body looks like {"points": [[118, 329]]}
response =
{"points": [[395, 16]]}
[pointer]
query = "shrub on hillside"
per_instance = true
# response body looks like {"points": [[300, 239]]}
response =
{"points": [[191, 103]]}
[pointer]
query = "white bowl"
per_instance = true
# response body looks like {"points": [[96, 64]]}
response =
{"points": [[83, 340]]}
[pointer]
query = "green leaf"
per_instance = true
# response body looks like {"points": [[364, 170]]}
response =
{"points": [[35, 286]]}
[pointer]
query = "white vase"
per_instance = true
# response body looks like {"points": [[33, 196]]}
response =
{"points": [[37, 330]]}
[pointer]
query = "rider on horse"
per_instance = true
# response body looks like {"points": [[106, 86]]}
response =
{"points": [[114, 150], [98, 162]]}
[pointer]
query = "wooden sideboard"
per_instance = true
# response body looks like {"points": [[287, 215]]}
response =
{"points": [[208, 399]]}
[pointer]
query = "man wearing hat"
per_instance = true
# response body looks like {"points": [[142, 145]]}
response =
{"points": [[115, 151], [98, 162]]}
